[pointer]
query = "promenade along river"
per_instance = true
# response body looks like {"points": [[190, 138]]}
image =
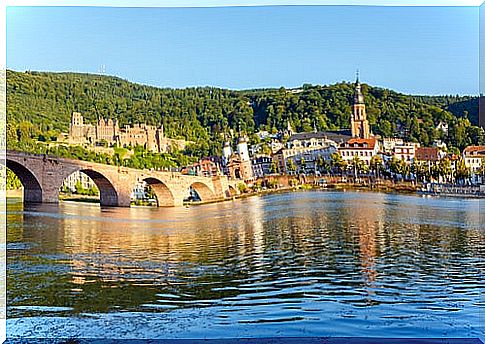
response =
{"points": [[295, 264]]}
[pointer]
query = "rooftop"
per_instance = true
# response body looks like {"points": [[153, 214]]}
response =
{"points": [[369, 143], [334, 135], [427, 153], [474, 150]]}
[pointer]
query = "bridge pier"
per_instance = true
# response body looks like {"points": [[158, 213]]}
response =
{"points": [[122, 200], [221, 186], [50, 197], [42, 176]]}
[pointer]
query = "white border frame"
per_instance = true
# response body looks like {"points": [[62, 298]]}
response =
{"points": [[158, 3]]}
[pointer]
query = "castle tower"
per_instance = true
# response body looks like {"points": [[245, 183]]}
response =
{"points": [[226, 152], [359, 124], [77, 119], [76, 128], [242, 148]]}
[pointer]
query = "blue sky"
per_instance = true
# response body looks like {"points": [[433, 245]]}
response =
{"points": [[420, 50]]}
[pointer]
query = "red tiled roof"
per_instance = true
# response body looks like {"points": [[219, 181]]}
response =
{"points": [[474, 150], [427, 153], [360, 143]]}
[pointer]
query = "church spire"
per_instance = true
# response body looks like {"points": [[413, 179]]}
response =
{"points": [[358, 96]]}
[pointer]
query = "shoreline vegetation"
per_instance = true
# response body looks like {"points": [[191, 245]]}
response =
{"points": [[380, 187]]}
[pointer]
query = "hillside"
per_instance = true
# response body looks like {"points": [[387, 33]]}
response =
{"points": [[39, 105]]}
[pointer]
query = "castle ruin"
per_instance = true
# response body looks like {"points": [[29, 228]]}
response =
{"points": [[108, 131]]}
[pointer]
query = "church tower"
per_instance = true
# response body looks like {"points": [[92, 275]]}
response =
{"points": [[358, 120]]}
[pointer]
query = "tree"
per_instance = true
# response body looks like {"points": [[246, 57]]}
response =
{"points": [[322, 165], [481, 171], [302, 165], [272, 184], [274, 168], [79, 188], [385, 128], [337, 162], [399, 167], [420, 170], [358, 165], [242, 187], [257, 185], [376, 165], [265, 148], [462, 172], [40, 105], [444, 169], [93, 191], [13, 182], [119, 154], [290, 165]]}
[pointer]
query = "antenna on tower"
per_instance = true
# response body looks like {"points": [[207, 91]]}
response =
{"points": [[102, 69]]}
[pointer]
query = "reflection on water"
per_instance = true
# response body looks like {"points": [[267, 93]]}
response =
{"points": [[296, 264]]}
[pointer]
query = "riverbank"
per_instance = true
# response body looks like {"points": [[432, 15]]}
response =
{"points": [[445, 190], [382, 187], [14, 193], [403, 188]]}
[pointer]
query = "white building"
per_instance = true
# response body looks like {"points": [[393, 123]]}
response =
{"points": [[406, 152], [365, 149], [139, 191], [388, 144], [474, 157], [73, 179], [316, 139]]}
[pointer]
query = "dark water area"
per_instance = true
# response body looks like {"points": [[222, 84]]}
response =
{"points": [[284, 265]]}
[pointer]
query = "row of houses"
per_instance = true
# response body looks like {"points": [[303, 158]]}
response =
{"points": [[290, 153], [305, 152]]}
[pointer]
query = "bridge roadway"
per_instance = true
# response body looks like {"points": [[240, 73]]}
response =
{"points": [[42, 177]]}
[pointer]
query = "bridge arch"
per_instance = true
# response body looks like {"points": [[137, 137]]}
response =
{"points": [[231, 191], [204, 192], [108, 196], [164, 195], [32, 187]]}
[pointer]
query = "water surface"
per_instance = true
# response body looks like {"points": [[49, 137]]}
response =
{"points": [[294, 264]]}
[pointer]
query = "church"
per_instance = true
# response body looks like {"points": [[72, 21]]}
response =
{"points": [[311, 146], [362, 144]]}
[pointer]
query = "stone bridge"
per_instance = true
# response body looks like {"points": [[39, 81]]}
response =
{"points": [[42, 177]]}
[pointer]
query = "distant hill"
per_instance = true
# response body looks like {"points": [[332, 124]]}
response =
{"points": [[41, 103]]}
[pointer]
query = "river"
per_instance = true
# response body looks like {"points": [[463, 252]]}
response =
{"points": [[314, 263]]}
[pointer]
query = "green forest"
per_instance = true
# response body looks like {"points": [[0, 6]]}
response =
{"points": [[39, 106]]}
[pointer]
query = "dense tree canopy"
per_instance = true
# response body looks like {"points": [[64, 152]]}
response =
{"points": [[39, 106]]}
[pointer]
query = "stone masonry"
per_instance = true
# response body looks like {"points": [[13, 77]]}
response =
{"points": [[42, 177]]}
